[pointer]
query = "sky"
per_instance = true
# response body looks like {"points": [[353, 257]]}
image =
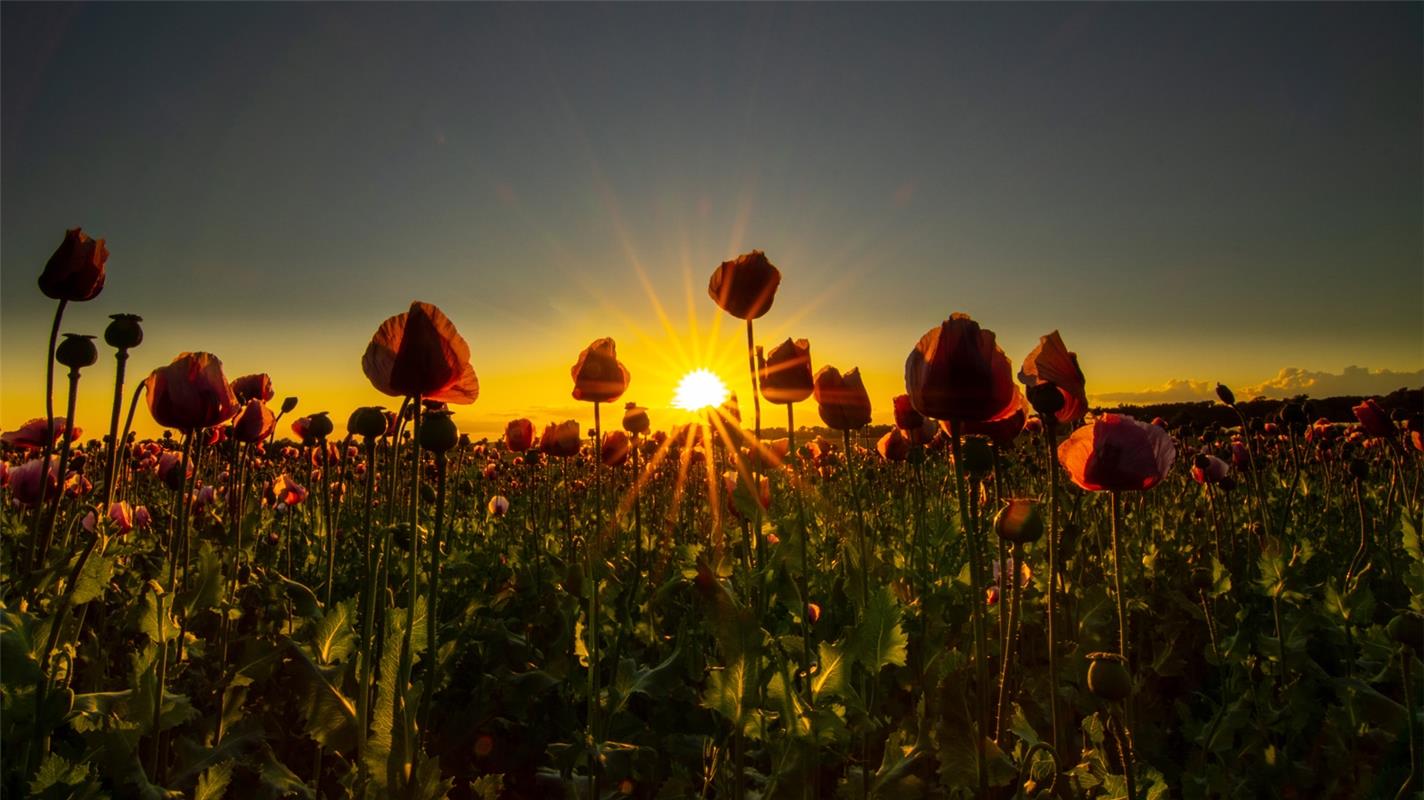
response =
{"points": [[1189, 193]]}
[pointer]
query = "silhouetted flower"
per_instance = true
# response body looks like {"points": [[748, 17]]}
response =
{"points": [[842, 399], [957, 373], [31, 435], [420, 353], [785, 374], [745, 286], [519, 435], [191, 393], [76, 270], [257, 386], [599, 377], [1052, 363]]}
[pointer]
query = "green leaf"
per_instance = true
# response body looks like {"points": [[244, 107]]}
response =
{"points": [[726, 692], [831, 672], [207, 593], [156, 619], [58, 779], [334, 636], [487, 787], [878, 640], [331, 717], [93, 579], [213, 783]]}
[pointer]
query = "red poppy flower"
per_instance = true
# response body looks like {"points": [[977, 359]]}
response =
{"points": [[1209, 469], [957, 372], [745, 286], [1051, 362], [893, 446], [286, 492], [31, 435], [25, 480], [1374, 420], [191, 393], [257, 386], [615, 449], [842, 399], [420, 353], [562, 439], [519, 435], [785, 375], [1115, 452], [76, 270], [599, 377]]}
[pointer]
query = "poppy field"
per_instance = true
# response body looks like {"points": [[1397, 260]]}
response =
{"points": [[1006, 593]]}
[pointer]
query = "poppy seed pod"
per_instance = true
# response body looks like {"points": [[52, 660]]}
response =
{"points": [[635, 419], [319, 426], [785, 374], [745, 286], [288, 404], [438, 432], [367, 421], [125, 332], [1019, 521], [1225, 394], [1108, 678], [1407, 628], [76, 351], [75, 272]]}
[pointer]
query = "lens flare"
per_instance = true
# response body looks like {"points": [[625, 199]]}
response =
{"points": [[699, 389]]}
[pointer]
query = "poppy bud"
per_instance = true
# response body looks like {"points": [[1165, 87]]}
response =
{"points": [[76, 351], [125, 332], [498, 506], [1045, 399], [1407, 628], [1108, 678], [1019, 521], [289, 404], [438, 432], [367, 421], [1293, 416], [1225, 394]]}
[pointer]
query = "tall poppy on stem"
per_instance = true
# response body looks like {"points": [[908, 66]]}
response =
{"points": [[599, 377], [73, 273], [745, 288], [785, 377], [958, 374], [1116, 453], [417, 356]]}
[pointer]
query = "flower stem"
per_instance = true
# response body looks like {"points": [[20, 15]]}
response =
{"points": [[981, 665], [1128, 757]]}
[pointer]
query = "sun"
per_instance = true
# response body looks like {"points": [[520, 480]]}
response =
{"points": [[699, 389]]}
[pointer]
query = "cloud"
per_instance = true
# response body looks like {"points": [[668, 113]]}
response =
{"points": [[1354, 380], [1173, 391], [1289, 382]]}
